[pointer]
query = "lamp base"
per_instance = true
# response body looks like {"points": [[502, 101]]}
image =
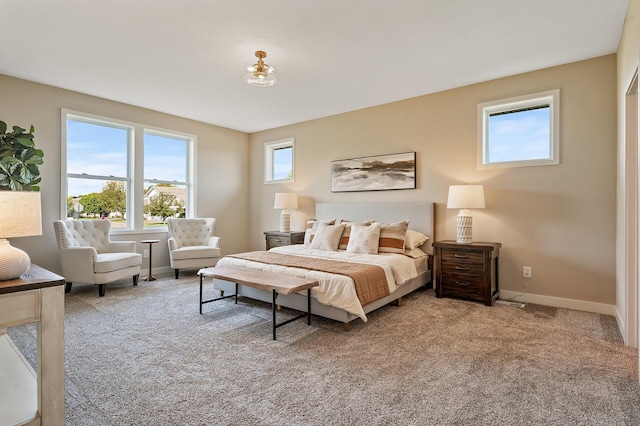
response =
{"points": [[463, 228], [13, 261], [285, 221]]}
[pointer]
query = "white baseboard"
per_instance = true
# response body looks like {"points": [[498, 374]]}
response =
{"points": [[621, 326], [558, 302]]}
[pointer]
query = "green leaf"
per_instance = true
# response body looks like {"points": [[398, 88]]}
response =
{"points": [[15, 185], [3, 127], [25, 141]]}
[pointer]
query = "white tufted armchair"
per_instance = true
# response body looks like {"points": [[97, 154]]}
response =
{"points": [[192, 243], [88, 255]]}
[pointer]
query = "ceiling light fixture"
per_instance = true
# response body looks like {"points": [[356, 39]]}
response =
{"points": [[260, 74]]}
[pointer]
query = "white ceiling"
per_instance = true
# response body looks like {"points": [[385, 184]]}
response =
{"points": [[187, 57]]}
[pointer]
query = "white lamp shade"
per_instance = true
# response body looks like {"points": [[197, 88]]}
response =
{"points": [[285, 200], [20, 214], [466, 197], [19, 217]]}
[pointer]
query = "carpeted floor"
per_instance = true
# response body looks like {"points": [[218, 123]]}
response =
{"points": [[143, 355]]}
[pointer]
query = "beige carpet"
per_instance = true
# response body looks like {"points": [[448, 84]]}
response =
{"points": [[144, 356]]}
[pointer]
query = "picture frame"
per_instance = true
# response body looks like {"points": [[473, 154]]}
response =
{"points": [[374, 173]]}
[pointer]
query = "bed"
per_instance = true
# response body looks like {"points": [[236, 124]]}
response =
{"points": [[334, 298]]}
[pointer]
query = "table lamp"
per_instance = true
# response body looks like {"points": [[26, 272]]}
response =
{"points": [[19, 217], [285, 201], [465, 197]]}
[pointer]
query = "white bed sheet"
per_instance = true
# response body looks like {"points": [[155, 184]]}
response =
{"points": [[334, 289]]}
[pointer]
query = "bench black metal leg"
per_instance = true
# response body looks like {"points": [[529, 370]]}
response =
{"points": [[273, 309], [202, 302], [308, 306]]}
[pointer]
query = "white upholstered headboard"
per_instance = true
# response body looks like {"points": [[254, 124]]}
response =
{"points": [[419, 214]]}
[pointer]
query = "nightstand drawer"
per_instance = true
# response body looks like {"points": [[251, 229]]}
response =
{"points": [[472, 269], [462, 288], [278, 241], [452, 256]]}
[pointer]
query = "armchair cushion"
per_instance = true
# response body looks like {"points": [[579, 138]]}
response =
{"points": [[109, 262], [195, 252]]}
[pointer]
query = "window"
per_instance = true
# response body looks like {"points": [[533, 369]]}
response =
{"points": [[278, 161], [166, 179], [521, 131], [132, 175]]}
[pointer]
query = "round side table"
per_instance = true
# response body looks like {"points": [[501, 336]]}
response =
{"points": [[151, 243]]}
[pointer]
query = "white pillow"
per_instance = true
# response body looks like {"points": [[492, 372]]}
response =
{"points": [[415, 253], [414, 239], [327, 237], [312, 227], [364, 238], [344, 240]]}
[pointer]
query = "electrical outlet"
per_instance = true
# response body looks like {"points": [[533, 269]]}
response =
{"points": [[145, 253], [526, 271]]}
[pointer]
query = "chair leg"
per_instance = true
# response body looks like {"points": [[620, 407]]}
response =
{"points": [[135, 279], [67, 287], [177, 272], [102, 288]]}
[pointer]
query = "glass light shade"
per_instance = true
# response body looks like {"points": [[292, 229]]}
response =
{"points": [[260, 74], [20, 216], [260, 80]]}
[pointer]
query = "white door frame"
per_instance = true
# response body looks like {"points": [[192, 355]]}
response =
{"points": [[632, 207]]}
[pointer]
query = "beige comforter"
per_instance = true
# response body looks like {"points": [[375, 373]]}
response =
{"points": [[336, 289]]}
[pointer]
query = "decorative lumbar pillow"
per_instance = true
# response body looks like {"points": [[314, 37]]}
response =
{"points": [[327, 237], [344, 240], [312, 227], [364, 238], [414, 239], [392, 237]]}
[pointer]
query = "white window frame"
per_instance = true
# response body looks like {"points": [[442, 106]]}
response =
{"points": [[269, 149], [486, 109], [190, 204], [134, 181]]}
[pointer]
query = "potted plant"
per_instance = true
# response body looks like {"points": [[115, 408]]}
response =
{"points": [[19, 159]]}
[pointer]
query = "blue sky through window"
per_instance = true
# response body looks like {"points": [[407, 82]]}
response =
{"points": [[101, 150], [518, 136], [282, 163], [165, 158]]}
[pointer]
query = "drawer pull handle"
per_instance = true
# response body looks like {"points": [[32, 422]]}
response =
{"points": [[460, 268], [460, 256], [462, 283]]}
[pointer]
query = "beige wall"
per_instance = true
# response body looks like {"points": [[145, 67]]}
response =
{"points": [[560, 220], [222, 170], [626, 286]]}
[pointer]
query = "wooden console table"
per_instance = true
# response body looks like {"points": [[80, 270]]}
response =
{"points": [[29, 398]]}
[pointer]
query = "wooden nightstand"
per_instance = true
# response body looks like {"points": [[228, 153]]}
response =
{"points": [[467, 270], [277, 239]]}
